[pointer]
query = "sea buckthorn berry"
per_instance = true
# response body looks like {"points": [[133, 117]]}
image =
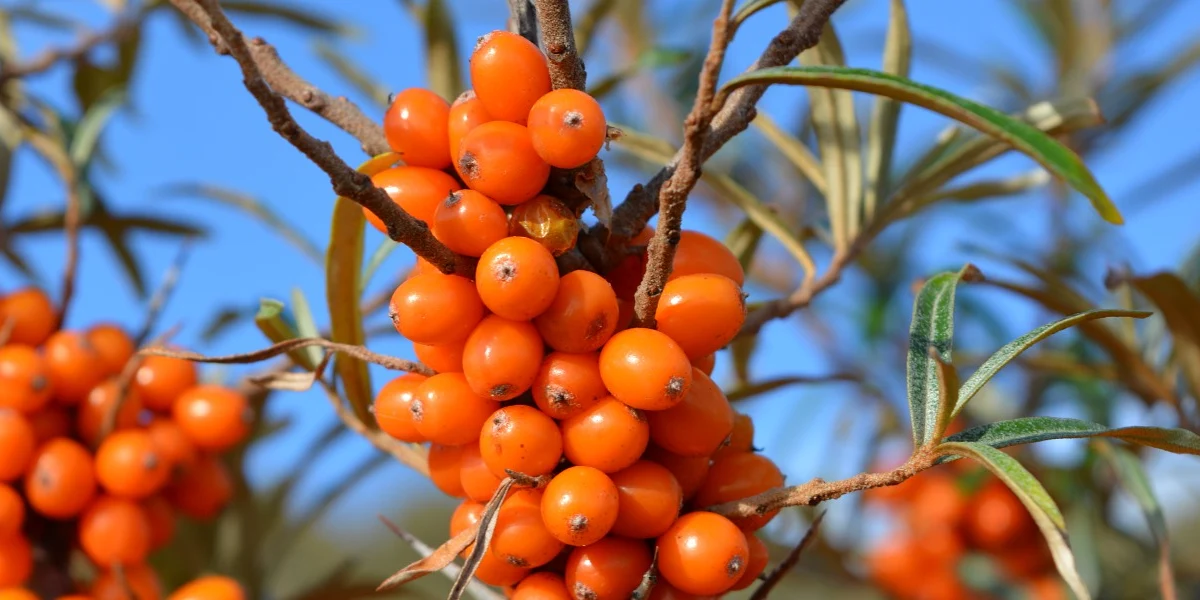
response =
{"points": [[502, 358], [543, 585], [24, 381], [757, 563], [938, 500], [1027, 557], [466, 514], [159, 380], [995, 517], [16, 560], [665, 591], [645, 369], [579, 506], [547, 220], [72, 365], [699, 253], [12, 512], [608, 436], [114, 346], [128, 465], [521, 439], [50, 422], [393, 407], [629, 271], [17, 594], [174, 447], [445, 467], [446, 411], [942, 545], [706, 363], [32, 316], [509, 74], [610, 569], [740, 476], [417, 190], [479, 483], [698, 425], [497, 159], [467, 222], [210, 587], [517, 278], [215, 418], [497, 572], [162, 521], [521, 538], [202, 490], [435, 308], [466, 113], [701, 312], [140, 583], [741, 439], [567, 384], [416, 126], [103, 398], [689, 471], [446, 358], [703, 553], [650, 499], [61, 480], [567, 127], [1045, 587], [115, 531], [17, 444], [583, 314]]}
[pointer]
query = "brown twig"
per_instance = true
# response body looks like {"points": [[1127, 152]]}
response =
{"points": [[124, 382], [408, 454], [46, 60], [522, 19], [359, 352], [789, 562], [672, 196], [401, 226], [558, 40], [782, 307], [72, 219], [161, 295]]}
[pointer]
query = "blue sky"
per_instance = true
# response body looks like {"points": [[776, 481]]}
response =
{"points": [[192, 122]]}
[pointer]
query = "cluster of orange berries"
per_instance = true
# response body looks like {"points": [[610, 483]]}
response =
{"points": [[540, 372], [122, 491], [943, 522]]}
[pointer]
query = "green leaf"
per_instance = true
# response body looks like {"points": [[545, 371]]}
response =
{"points": [[792, 149], [931, 331], [747, 10], [441, 50], [1013, 349], [991, 188], [1029, 430], [1055, 157], [88, 130], [743, 241], [10, 138], [91, 82], [381, 253], [272, 319], [947, 379], [251, 206], [223, 319], [306, 326], [1180, 308], [881, 133], [1039, 504]]}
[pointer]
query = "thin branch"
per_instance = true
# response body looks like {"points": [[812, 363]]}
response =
{"points": [[522, 19], [161, 295], [782, 307], [558, 40], [359, 352], [124, 384], [72, 220], [789, 562], [401, 226], [672, 197], [50, 57]]}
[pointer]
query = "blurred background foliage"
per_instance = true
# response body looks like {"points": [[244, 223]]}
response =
{"points": [[823, 384]]}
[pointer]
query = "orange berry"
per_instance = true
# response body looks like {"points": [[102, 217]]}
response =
{"points": [[72, 365], [755, 565], [741, 439], [17, 444], [494, 571], [466, 113], [1027, 557], [415, 125], [543, 585], [705, 363], [128, 464], [497, 159], [941, 545], [114, 346], [521, 538], [139, 579], [583, 314], [445, 466], [479, 483], [517, 278], [467, 222], [446, 358], [896, 565], [645, 369], [202, 490], [393, 407], [32, 315], [567, 127], [1045, 587], [174, 447], [17, 594], [689, 471], [521, 439], [24, 380], [162, 521], [665, 591], [698, 425], [607, 435], [210, 587], [703, 553], [215, 418], [446, 411], [509, 74], [610, 569], [115, 531], [99, 402], [502, 357], [567, 384], [995, 518], [16, 560], [435, 308], [738, 476], [50, 422], [159, 380], [12, 511], [466, 514], [417, 190], [649, 497], [579, 505], [61, 480], [701, 312], [699, 253], [938, 500], [548, 221]]}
